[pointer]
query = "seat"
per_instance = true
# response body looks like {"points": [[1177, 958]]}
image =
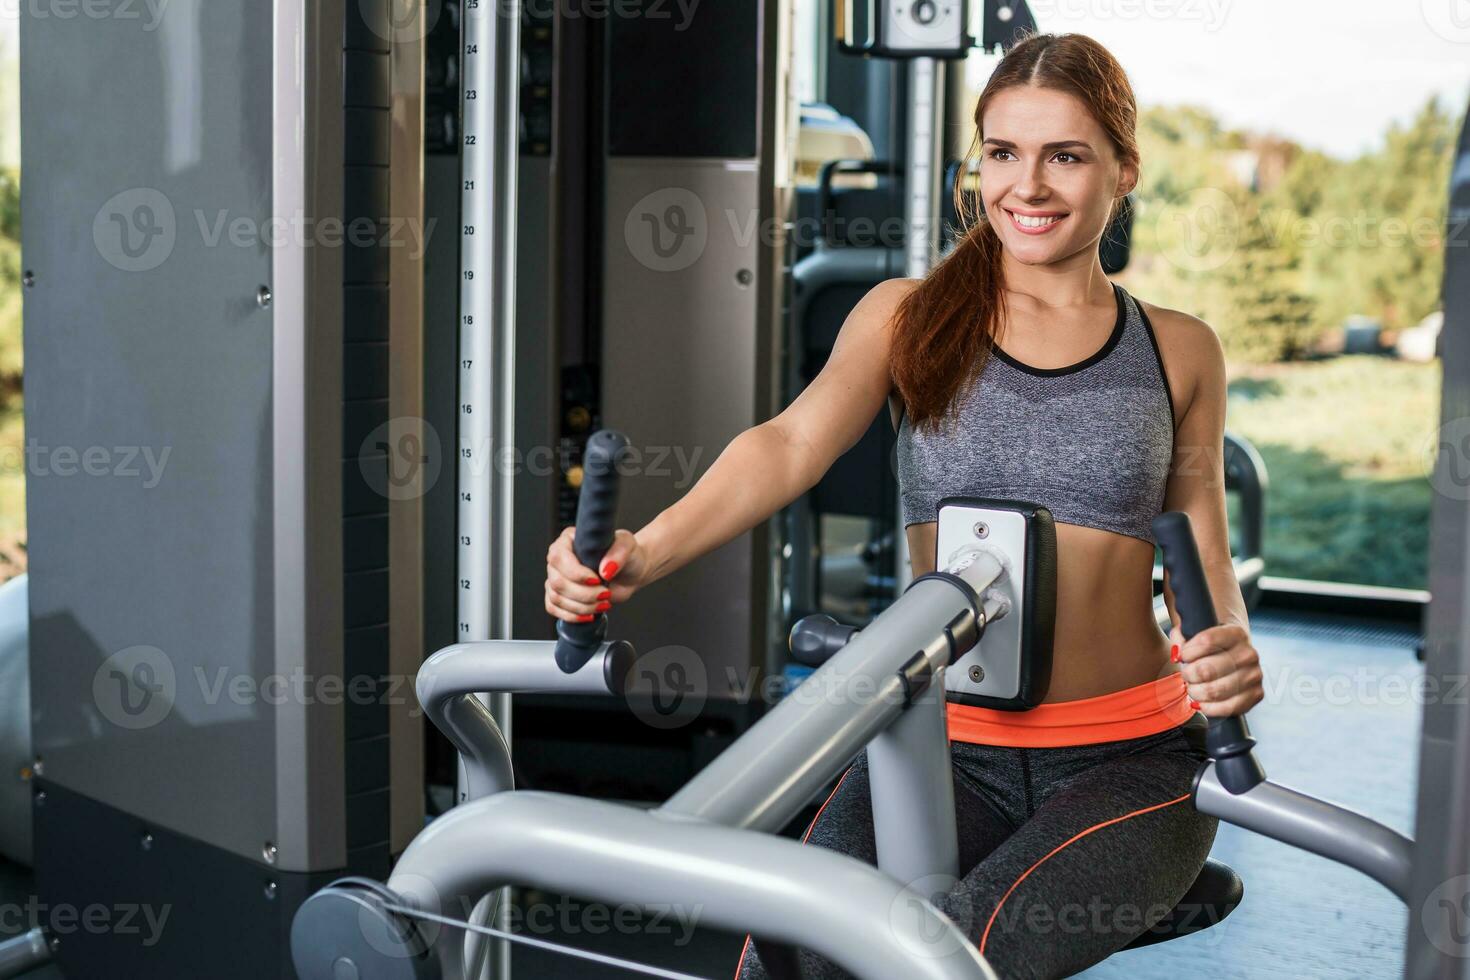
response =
{"points": [[1213, 896]]}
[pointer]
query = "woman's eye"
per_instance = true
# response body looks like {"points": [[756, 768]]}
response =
{"points": [[995, 154], [1070, 157]]}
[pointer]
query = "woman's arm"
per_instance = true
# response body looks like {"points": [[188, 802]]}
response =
{"points": [[768, 466], [1220, 666]]}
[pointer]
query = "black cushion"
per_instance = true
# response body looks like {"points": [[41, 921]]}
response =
{"points": [[1214, 895]]}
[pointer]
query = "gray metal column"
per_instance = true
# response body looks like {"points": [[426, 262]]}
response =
{"points": [[490, 59], [910, 761], [923, 172], [1438, 942]]}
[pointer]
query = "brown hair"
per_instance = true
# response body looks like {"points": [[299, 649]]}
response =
{"points": [[944, 329]]}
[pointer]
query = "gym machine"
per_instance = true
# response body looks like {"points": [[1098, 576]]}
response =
{"points": [[294, 423], [976, 632], [214, 283]]}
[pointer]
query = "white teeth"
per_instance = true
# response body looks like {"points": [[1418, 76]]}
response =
{"points": [[1026, 221]]}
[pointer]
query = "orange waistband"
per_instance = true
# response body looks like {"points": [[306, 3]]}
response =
{"points": [[1152, 707]]}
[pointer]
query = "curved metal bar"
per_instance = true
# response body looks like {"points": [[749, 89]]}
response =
{"points": [[1314, 825], [773, 887], [25, 953], [449, 680]]}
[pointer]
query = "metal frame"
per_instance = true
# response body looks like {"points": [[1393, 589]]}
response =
{"points": [[714, 844], [1439, 923]]}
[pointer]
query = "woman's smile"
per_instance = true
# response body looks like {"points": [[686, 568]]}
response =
{"points": [[1035, 222]]}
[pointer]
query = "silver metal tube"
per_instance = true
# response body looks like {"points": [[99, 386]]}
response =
{"points": [[1313, 825], [912, 791], [490, 153], [922, 171], [922, 178], [449, 681], [24, 953], [776, 888], [764, 779], [516, 666]]}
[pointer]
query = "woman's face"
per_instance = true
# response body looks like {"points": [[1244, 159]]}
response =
{"points": [[1048, 174]]}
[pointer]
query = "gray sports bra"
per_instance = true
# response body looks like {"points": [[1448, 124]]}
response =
{"points": [[1091, 441]]}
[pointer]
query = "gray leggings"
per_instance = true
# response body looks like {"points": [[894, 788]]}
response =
{"points": [[1066, 854]]}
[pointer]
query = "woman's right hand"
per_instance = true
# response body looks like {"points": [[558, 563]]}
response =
{"points": [[575, 593]]}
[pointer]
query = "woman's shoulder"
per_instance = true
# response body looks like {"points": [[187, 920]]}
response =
{"points": [[1188, 346], [1182, 336], [891, 292]]}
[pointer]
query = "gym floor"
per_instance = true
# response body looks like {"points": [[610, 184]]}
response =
{"points": [[1340, 721]]}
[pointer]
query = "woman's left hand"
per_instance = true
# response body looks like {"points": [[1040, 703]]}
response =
{"points": [[1221, 670]]}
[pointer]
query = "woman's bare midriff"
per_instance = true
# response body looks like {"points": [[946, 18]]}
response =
{"points": [[1106, 638]]}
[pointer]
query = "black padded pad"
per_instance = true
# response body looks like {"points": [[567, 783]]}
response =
{"points": [[1213, 896]]}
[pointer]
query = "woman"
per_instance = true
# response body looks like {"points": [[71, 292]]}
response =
{"points": [[1016, 369]]}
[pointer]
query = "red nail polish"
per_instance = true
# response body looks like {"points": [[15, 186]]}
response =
{"points": [[1174, 653], [585, 619], [604, 606], [1194, 704], [604, 594], [610, 569], [592, 581]]}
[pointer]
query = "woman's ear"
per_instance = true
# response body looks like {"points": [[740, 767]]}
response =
{"points": [[1127, 179]]}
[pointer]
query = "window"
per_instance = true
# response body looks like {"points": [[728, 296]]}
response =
{"points": [[808, 51], [1293, 195]]}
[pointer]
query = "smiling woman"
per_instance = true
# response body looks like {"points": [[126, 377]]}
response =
{"points": [[1018, 371]]}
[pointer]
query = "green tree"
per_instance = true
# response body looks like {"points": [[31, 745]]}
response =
{"points": [[10, 205], [1268, 318]]}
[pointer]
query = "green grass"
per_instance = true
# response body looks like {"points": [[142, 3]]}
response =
{"points": [[1344, 441]]}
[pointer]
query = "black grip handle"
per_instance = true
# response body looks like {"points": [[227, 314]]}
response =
{"points": [[1229, 741], [597, 505], [815, 639]]}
